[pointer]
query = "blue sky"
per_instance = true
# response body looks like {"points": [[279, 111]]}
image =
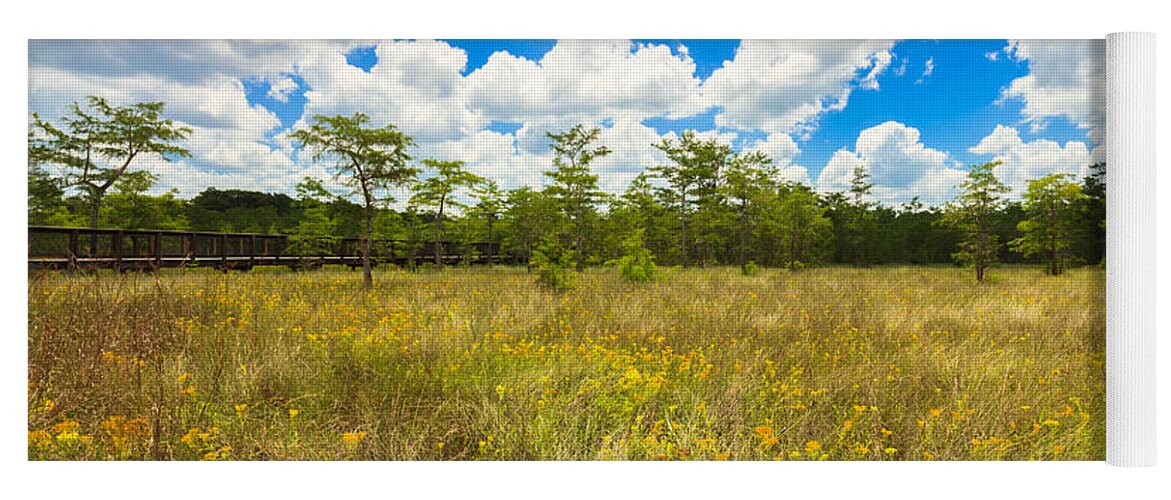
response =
{"points": [[915, 112]]}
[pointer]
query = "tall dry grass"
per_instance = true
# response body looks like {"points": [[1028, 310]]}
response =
{"points": [[885, 363]]}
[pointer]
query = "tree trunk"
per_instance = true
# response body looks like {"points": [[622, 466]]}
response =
{"points": [[491, 244], [94, 210], [367, 240], [438, 231], [683, 226], [742, 257]]}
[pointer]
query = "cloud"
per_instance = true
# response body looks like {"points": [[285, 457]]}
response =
{"points": [[586, 80], [1023, 161], [771, 91], [902, 69], [881, 62], [783, 150], [217, 102], [282, 89], [1067, 78], [928, 69], [183, 61], [900, 166], [416, 85], [419, 87], [785, 85]]}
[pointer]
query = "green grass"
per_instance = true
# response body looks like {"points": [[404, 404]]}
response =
{"points": [[836, 363]]}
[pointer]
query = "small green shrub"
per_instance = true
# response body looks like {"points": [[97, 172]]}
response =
{"points": [[637, 263], [555, 265], [750, 269]]}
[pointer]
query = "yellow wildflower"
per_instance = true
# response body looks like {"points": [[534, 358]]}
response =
{"points": [[353, 439], [65, 426], [40, 438]]}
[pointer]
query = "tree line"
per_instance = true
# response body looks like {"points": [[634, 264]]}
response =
{"points": [[708, 204]]}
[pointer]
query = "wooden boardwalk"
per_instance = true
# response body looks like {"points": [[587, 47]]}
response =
{"points": [[123, 250]]}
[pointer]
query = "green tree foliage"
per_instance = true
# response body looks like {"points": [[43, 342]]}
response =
{"points": [[975, 214], [128, 206], [437, 191], [1055, 206], [692, 178], [370, 161], [315, 233], [556, 265], [1092, 234], [234, 210], [860, 216], [747, 187], [804, 229], [97, 144], [489, 207], [572, 185], [46, 204], [637, 263], [708, 203], [639, 208]]}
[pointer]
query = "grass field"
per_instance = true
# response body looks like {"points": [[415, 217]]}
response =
{"points": [[835, 363]]}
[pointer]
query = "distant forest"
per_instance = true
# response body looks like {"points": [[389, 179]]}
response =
{"points": [[709, 205], [905, 234]]}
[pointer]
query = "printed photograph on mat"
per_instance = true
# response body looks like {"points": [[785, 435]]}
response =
{"points": [[566, 250]]}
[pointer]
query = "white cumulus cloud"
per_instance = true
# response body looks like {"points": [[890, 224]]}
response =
{"points": [[900, 166], [1067, 78], [785, 85], [1023, 161]]}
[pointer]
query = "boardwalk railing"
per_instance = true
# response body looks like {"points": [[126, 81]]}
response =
{"points": [[73, 248]]}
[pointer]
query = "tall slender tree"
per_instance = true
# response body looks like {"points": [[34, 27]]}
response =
{"points": [[572, 184], [370, 161], [97, 144], [975, 215], [804, 227], [1054, 205], [490, 204], [438, 190], [1093, 227], [860, 219], [692, 176], [748, 182], [531, 216]]}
